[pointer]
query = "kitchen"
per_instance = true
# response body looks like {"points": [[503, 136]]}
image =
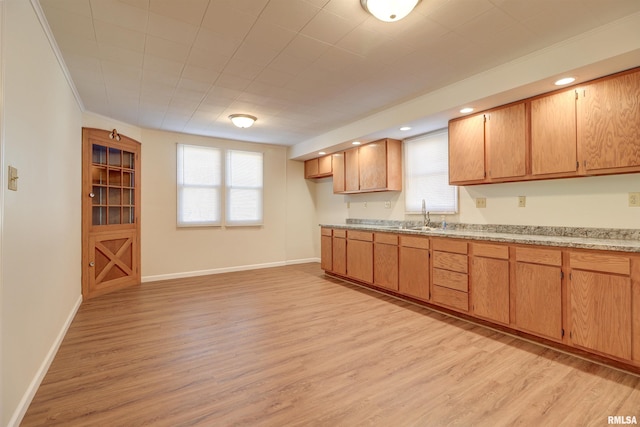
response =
{"points": [[31, 70]]}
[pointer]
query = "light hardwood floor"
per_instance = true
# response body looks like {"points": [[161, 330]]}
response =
{"points": [[288, 346]]}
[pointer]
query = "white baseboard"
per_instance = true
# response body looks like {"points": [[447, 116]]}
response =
{"points": [[18, 414], [185, 274]]}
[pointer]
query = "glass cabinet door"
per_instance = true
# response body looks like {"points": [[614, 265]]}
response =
{"points": [[113, 185]]}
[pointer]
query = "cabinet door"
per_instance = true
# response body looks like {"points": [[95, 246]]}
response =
{"points": [[311, 168], [324, 166], [466, 149], [608, 117], [414, 272], [339, 256], [385, 262], [490, 289], [351, 170], [553, 134], [337, 164], [506, 142], [373, 166], [360, 260], [326, 253], [538, 299], [601, 312]]}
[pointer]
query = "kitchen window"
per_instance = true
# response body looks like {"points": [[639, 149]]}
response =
{"points": [[426, 160], [211, 181]]}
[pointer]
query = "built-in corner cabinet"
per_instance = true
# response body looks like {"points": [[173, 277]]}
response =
{"points": [[577, 298], [587, 129]]}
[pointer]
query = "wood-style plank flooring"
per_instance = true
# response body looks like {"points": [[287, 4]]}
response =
{"points": [[288, 346]]}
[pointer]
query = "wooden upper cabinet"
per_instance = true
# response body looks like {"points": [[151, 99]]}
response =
{"points": [[466, 149], [554, 134], [609, 122], [351, 170], [318, 168], [376, 166], [506, 140], [337, 161]]}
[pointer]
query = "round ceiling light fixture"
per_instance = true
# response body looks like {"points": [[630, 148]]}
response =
{"points": [[565, 81], [242, 120], [389, 10], [466, 110]]}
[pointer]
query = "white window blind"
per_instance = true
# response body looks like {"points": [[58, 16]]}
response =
{"points": [[199, 185], [244, 188], [426, 161]]}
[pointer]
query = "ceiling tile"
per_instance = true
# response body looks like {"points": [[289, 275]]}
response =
{"points": [[274, 77], [119, 36], [125, 15], [123, 56], [166, 49], [228, 20], [70, 23], [289, 63], [287, 14], [202, 59], [251, 7], [70, 6], [328, 27], [168, 28], [215, 43], [304, 47], [243, 68], [255, 54], [453, 14], [233, 81], [269, 36], [189, 11], [199, 74]]}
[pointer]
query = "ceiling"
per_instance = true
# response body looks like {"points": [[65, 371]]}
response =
{"points": [[303, 67]]}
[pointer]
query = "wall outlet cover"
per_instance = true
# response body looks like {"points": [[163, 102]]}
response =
{"points": [[481, 202], [634, 200], [522, 201]]}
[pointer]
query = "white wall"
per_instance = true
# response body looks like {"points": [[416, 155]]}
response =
{"points": [[41, 225]]}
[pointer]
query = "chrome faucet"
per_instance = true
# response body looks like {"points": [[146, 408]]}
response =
{"points": [[425, 214]]}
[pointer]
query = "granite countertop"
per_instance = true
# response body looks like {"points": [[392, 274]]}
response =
{"points": [[624, 240]]}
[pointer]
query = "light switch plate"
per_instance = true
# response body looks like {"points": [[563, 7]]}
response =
{"points": [[13, 178], [522, 201]]}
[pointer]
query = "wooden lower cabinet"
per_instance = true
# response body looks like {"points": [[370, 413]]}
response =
{"points": [[339, 252], [490, 289], [414, 267], [326, 251], [360, 256], [588, 299], [385, 261], [537, 291]]}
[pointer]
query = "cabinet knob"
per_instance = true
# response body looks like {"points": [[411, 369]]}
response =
{"points": [[92, 195], [91, 264]]}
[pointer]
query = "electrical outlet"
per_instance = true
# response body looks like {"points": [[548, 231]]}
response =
{"points": [[348, 205], [387, 204], [481, 202], [634, 200], [365, 204], [522, 201]]}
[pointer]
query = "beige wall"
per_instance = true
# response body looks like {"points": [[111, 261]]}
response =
{"points": [[575, 202], [167, 250], [40, 275]]}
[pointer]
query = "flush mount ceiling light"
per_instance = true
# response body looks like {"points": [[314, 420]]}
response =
{"points": [[356, 143], [565, 81], [242, 120], [405, 128], [389, 10], [466, 110]]}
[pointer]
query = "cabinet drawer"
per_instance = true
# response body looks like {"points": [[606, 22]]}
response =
{"points": [[414, 242], [325, 231], [341, 233], [450, 298], [451, 280], [600, 262], [539, 256], [386, 238], [452, 262], [491, 251], [450, 245], [365, 236]]}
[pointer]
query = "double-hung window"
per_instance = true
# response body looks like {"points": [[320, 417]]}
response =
{"points": [[426, 161], [211, 181]]}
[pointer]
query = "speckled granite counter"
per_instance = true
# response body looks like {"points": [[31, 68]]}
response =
{"points": [[608, 239]]}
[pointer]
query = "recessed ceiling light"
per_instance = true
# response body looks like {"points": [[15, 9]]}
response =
{"points": [[356, 143], [403, 128], [466, 110], [565, 81], [322, 153]]}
